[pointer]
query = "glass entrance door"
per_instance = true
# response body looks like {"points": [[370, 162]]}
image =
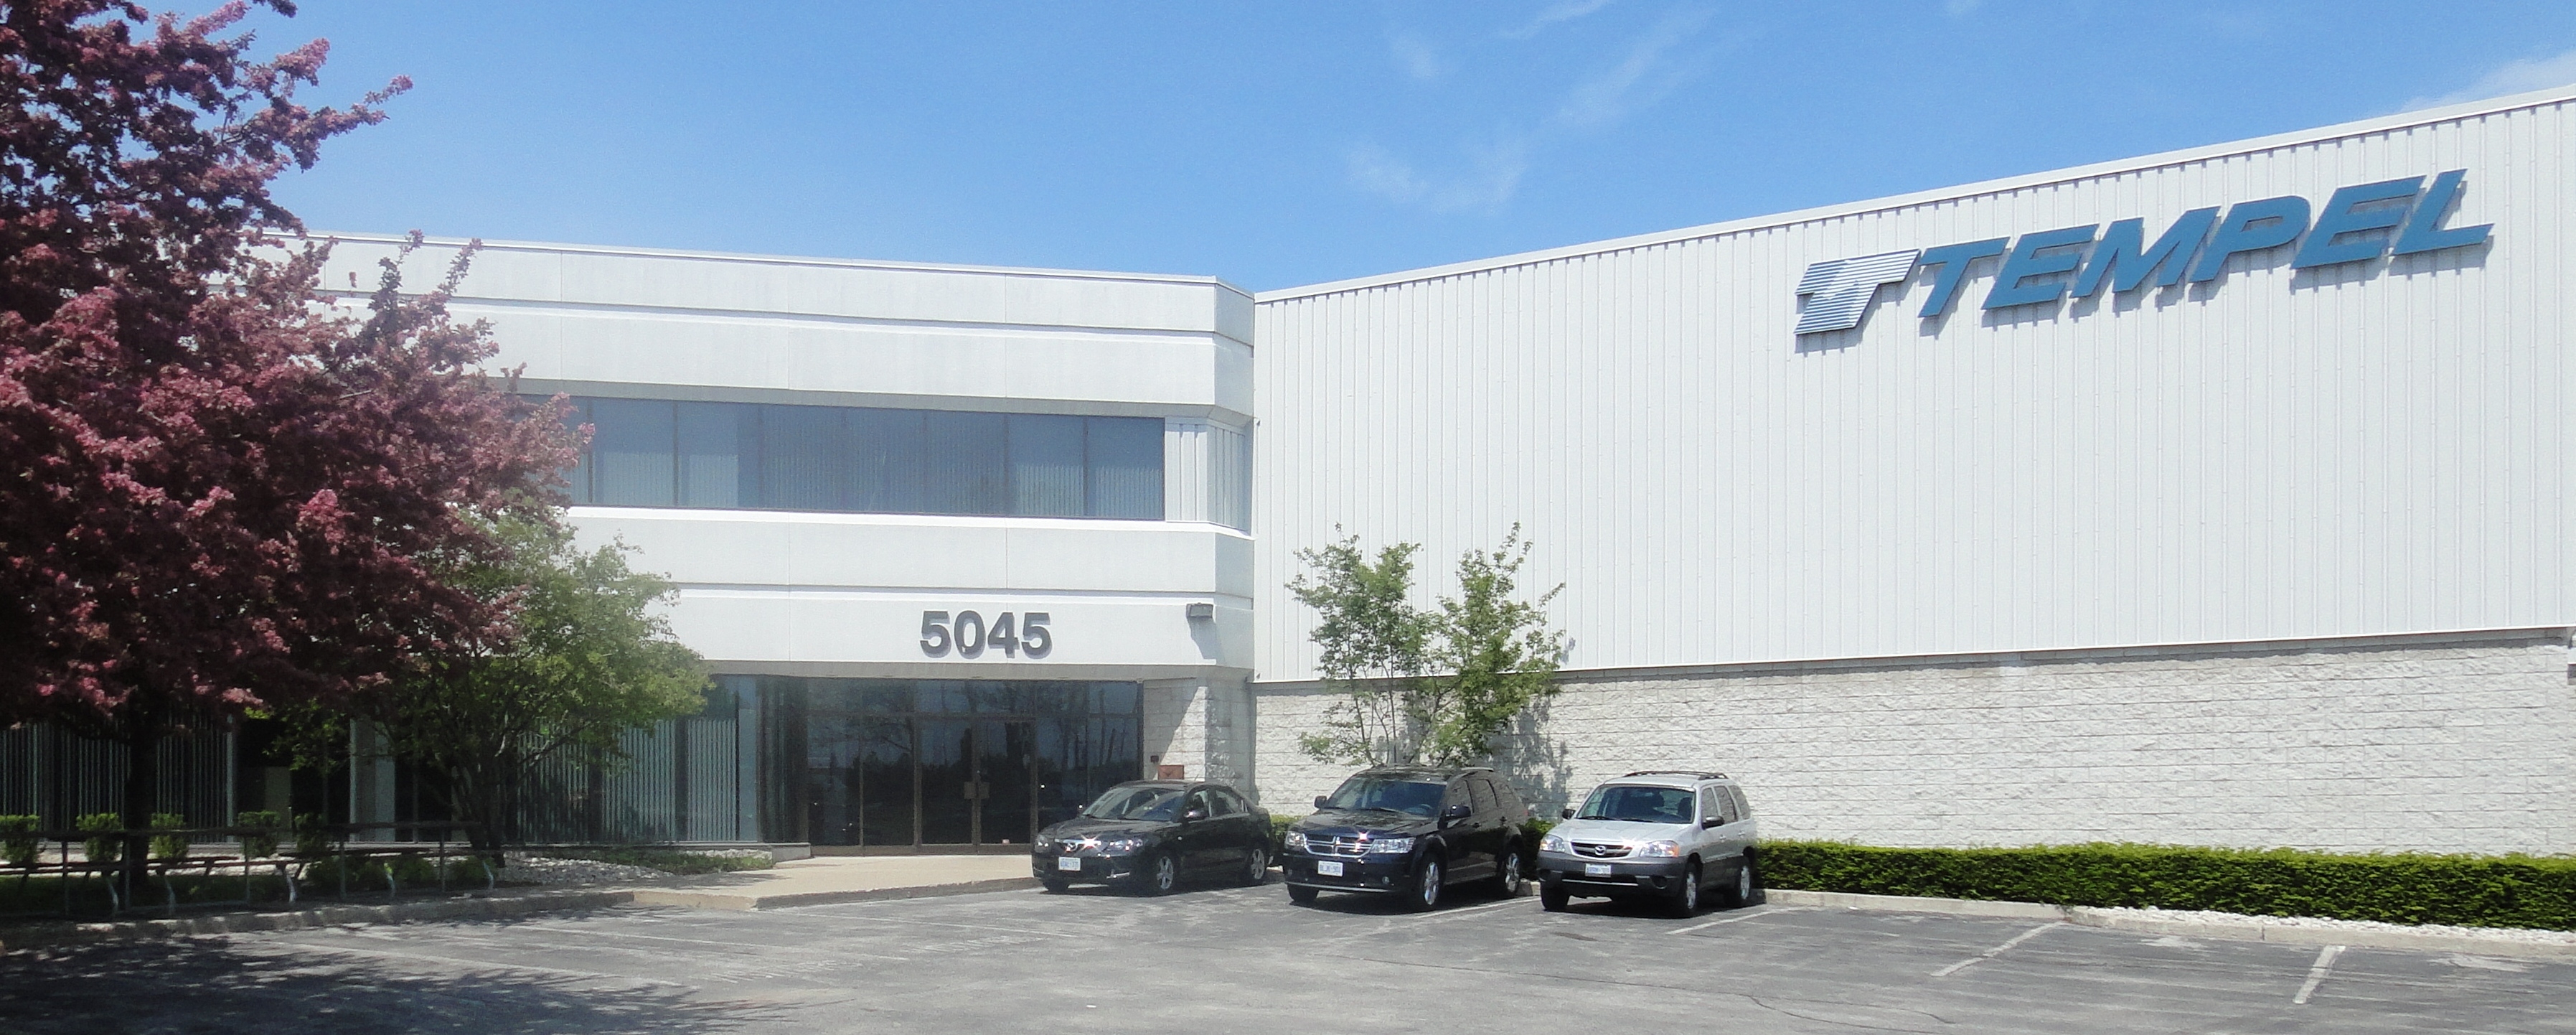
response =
{"points": [[923, 764]]}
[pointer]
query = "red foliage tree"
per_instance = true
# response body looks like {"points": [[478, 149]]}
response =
{"points": [[219, 489]]}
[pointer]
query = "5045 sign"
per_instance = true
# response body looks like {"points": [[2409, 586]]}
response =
{"points": [[968, 635]]}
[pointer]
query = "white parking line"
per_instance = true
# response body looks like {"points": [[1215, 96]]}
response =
{"points": [[1746, 915], [2317, 974], [1996, 951]]}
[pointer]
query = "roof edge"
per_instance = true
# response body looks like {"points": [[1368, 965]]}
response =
{"points": [[787, 260], [2202, 153]]}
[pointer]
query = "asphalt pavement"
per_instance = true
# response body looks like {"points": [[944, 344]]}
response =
{"points": [[1245, 962]]}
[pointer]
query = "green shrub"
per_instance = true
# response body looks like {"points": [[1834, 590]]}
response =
{"points": [[169, 846], [310, 837], [18, 842], [1534, 828], [2463, 890], [263, 843], [102, 850]]}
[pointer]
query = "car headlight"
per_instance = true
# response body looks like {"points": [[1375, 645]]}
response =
{"points": [[1122, 845], [1660, 850], [1045, 841], [1390, 846], [1296, 840], [1554, 843]]}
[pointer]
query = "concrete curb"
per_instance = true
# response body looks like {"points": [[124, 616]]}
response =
{"points": [[475, 906], [2249, 928], [723, 900]]}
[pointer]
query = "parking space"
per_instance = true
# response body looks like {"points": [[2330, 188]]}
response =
{"points": [[1243, 960]]}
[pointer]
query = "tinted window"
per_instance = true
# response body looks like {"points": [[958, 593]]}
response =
{"points": [[1199, 804], [1507, 798], [1227, 804], [1046, 466], [1743, 809], [1484, 795], [1713, 804], [631, 452], [1125, 459]]}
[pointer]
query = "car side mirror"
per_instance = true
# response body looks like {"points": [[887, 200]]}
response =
{"points": [[1458, 811], [1709, 823], [1319, 803], [1193, 815], [1566, 812]]}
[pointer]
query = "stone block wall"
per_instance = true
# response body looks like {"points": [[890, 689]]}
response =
{"points": [[2453, 743]]}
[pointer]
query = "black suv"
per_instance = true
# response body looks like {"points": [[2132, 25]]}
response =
{"points": [[1409, 832]]}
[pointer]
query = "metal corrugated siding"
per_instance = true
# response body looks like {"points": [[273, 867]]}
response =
{"points": [[2375, 448]]}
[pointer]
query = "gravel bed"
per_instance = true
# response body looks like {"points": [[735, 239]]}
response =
{"points": [[550, 872], [2519, 934]]}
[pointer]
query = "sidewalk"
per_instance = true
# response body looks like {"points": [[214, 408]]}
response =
{"points": [[804, 882], [827, 879]]}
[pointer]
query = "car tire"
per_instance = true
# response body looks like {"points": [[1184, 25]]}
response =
{"points": [[1553, 897], [1299, 894], [1161, 877], [1256, 868], [1684, 900], [1510, 873], [1055, 885], [1750, 882], [1427, 878]]}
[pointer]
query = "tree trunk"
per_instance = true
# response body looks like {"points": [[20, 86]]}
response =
{"points": [[142, 777]]}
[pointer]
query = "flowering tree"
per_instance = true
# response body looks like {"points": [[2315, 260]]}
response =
{"points": [[219, 489]]}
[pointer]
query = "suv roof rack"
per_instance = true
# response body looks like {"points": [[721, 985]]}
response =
{"points": [[1702, 774]]}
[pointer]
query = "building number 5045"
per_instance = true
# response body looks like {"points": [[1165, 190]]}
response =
{"points": [[970, 637]]}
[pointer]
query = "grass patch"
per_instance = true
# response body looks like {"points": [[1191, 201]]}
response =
{"points": [[667, 860], [2462, 890]]}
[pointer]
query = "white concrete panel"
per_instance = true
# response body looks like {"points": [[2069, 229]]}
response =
{"points": [[824, 632], [2357, 450]]}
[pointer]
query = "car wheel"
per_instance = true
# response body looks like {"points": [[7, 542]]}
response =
{"points": [[1749, 882], [1256, 868], [1507, 873], [1553, 897], [1163, 877], [1301, 894], [1426, 885], [1685, 900], [1743, 893], [1054, 885]]}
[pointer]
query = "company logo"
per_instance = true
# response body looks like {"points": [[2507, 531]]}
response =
{"points": [[1838, 290], [2358, 223]]}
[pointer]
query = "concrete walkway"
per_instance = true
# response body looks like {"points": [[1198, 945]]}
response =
{"points": [[828, 879], [804, 882]]}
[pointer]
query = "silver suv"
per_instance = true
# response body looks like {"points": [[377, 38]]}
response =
{"points": [[1657, 833]]}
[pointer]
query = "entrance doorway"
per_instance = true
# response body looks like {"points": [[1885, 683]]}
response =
{"points": [[906, 764]]}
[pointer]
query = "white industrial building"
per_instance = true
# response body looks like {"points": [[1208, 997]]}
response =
{"points": [[2258, 541]]}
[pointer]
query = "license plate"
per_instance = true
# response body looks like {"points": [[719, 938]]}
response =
{"points": [[1067, 862], [1596, 869], [1327, 868]]}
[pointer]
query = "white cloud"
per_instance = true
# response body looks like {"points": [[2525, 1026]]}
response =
{"points": [[1637, 80], [1561, 11], [2518, 76], [1416, 57], [1493, 176]]}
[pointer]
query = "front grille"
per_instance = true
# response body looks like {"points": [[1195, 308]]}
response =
{"points": [[1598, 850], [1336, 845]]}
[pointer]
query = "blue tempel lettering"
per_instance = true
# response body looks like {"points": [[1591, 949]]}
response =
{"points": [[2120, 257]]}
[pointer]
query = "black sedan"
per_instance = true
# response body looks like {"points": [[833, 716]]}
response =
{"points": [[1150, 835]]}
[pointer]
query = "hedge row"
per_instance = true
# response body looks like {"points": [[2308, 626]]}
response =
{"points": [[2464, 890]]}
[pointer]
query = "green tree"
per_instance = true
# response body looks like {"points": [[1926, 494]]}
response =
{"points": [[587, 658], [1498, 655], [1416, 687], [1371, 646]]}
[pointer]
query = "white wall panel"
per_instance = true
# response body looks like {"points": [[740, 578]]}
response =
{"points": [[2365, 449]]}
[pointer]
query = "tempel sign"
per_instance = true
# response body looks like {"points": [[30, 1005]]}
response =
{"points": [[2399, 217]]}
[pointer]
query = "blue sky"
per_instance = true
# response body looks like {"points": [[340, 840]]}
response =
{"points": [[1281, 144]]}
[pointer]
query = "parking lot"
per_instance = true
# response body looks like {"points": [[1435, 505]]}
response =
{"points": [[1244, 961]]}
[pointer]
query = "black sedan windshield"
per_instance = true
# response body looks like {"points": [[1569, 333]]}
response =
{"points": [[1639, 805], [1154, 803], [1407, 796]]}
